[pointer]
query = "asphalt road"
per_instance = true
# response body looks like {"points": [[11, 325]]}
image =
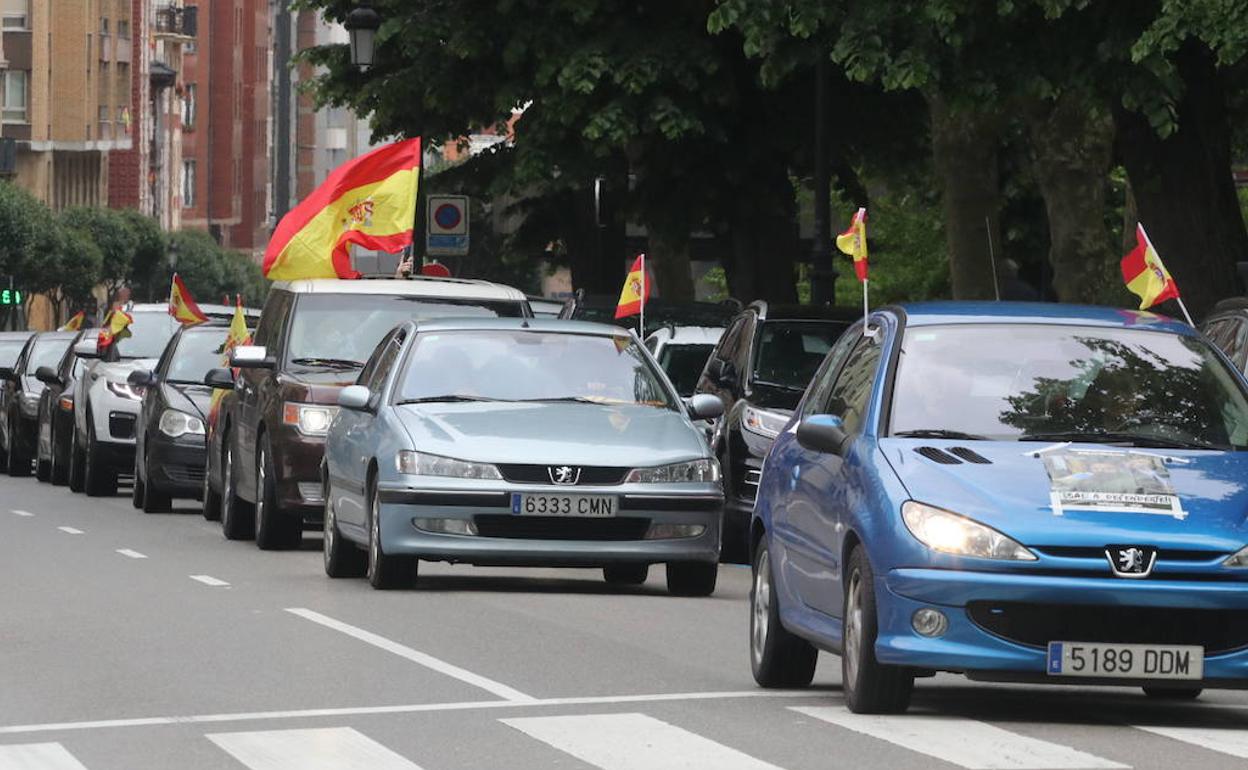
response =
{"points": [[132, 641]]}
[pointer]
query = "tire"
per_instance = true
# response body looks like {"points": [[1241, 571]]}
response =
{"points": [[211, 497], [154, 500], [275, 531], [626, 574], [138, 492], [342, 558], [869, 686], [385, 572], [43, 470], [692, 578], [60, 461], [1173, 693], [778, 657], [18, 463], [237, 515], [97, 479], [77, 462]]}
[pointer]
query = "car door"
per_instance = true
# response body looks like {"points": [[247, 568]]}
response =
{"points": [[725, 351], [357, 431], [251, 387], [8, 393], [153, 404]]}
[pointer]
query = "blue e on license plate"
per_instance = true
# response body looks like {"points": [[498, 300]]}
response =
{"points": [[588, 506], [1126, 661]]}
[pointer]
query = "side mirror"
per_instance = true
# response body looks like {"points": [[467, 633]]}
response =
{"points": [[355, 397], [220, 378], [7, 373], [705, 406], [251, 357], [86, 348], [48, 376], [823, 433], [141, 378]]}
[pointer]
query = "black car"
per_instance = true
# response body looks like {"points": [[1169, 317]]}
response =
{"points": [[56, 414], [760, 368], [170, 434], [1227, 327], [19, 399], [659, 312]]}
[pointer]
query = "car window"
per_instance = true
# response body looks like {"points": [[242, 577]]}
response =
{"points": [[849, 396], [789, 352], [9, 351], [370, 366], [390, 354], [46, 352], [817, 393], [684, 364], [196, 353], [728, 345], [1237, 342], [272, 317], [149, 333]]}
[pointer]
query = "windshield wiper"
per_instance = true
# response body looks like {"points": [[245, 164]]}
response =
{"points": [[940, 433], [780, 385], [1112, 437], [566, 400], [449, 398], [331, 363]]}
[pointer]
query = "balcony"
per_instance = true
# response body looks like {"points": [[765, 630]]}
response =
{"points": [[177, 22]]}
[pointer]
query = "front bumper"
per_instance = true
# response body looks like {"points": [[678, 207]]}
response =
{"points": [[507, 539], [970, 648], [297, 466], [175, 467]]}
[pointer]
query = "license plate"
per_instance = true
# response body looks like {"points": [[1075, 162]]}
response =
{"points": [[588, 506], [1126, 661]]}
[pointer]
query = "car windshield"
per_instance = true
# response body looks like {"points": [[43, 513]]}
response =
{"points": [[344, 328], [47, 352], [530, 366], [684, 364], [9, 351], [1066, 384], [197, 352], [149, 333], [789, 352]]}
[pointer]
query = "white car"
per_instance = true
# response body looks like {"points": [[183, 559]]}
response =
{"points": [[682, 352]]}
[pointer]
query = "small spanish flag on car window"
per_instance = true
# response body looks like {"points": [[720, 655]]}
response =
{"points": [[116, 327], [238, 334], [1145, 274], [182, 305], [636, 289], [854, 242], [75, 322]]}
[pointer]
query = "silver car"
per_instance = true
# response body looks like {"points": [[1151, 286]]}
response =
{"points": [[520, 442]]}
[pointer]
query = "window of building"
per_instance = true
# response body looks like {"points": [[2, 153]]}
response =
{"points": [[15, 96], [188, 184], [188, 106], [123, 29], [15, 14], [103, 26]]}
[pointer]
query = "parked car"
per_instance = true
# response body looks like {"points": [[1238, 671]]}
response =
{"points": [[1227, 327], [660, 312], [683, 351], [545, 307], [759, 369], [505, 442], [312, 340], [19, 399], [1028, 493], [56, 414], [11, 344]]}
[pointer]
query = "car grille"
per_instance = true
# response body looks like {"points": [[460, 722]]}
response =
{"points": [[186, 474], [561, 527], [540, 474], [120, 425], [1035, 625]]}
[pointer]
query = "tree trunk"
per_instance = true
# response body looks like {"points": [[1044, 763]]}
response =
{"points": [[1073, 143], [596, 252], [964, 150], [667, 257], [1183, 188], [763, 240]]}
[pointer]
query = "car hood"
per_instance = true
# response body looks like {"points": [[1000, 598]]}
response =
{"points": [[191, 398], [584, 434], [316, 386], [118, 371], [1009, 489]]}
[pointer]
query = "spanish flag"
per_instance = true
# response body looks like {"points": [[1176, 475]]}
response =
{"points": [[370, 201], [75, 322], [636, 289], [854, 242], [1145, 274], [182, 305], [116, 327], [237, 334]]}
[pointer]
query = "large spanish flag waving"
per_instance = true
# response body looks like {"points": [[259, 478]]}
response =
{"points": [[182, 305], [1145, 274], [370, 201]]}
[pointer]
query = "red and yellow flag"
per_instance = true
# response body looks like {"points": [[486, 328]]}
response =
{"points": [[370, 201], [854, 242], [636, 289], [75, 322], [116, 327], [182, 305], [237, 334], [1145, 274]]}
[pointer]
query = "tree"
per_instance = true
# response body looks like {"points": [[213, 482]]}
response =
{"points": [[201, 264], [79, 261], [114, 238], [147, 261]]}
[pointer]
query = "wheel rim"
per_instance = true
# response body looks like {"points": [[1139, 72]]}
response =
{"points": [[853, 627], [374, 536], [760, 602], [227, 481], [330, 526], [261, 476]]}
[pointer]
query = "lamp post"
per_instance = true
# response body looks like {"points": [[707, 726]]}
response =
{"points": [[362, 25], [823, 268]]}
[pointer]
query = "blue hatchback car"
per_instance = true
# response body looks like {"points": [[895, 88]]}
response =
{"points": [[1015, 492]]}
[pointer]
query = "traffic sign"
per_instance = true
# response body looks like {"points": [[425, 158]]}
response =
{"points": [[447, 230], [10, 297]]}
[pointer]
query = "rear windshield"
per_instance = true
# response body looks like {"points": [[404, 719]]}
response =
{"points": [[47, 353], [9, 351], [789, 352], [197, 352], [684, 364]]}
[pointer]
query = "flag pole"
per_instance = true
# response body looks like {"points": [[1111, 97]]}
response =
{"points": [[641, 332], [866, 310], [1177, 297], [1186, 314]]}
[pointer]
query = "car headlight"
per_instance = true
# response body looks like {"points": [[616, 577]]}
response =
{"points": [[694, 470], [764, 423], [421, 464], [1239, 559], [175, 424], [948, 532], [124, 390], [309, 419]]}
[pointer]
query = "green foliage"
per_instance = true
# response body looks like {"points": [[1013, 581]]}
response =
{"points": [[212, 273], [28, 238], [907, 260], [147, 261], [80, 261], [112, 234]]}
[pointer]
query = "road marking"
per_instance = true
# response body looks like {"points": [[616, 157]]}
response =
{"points": [[16, 512], [413, 708], [416, 656], [130, 554], [38, 756], [70, 530], [633, 742], [1227, 740], [962, 742], [333, 748], [208, 580]]}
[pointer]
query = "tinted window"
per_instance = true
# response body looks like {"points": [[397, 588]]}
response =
{"points": [[817, 397], [149, 333], [849, 397], [196, 353], [46, 353], [789, 352], [683, 364], [9, 350]]}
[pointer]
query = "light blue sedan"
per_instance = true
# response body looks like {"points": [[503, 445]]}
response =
{"points": [[520, 442]]}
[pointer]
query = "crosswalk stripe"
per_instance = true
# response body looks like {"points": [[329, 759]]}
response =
{"points": [[38, 756], [633, 742], [963, 742], [1227, 740], [332, 748]]}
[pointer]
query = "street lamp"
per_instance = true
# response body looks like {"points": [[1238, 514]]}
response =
{"points": [[362, 25], [172, 255]]}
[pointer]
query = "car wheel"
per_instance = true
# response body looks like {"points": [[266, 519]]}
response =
{"points": [[733, 548], [137, 492], [1173, 693], [626, 574], [275, 531], [692, 578], [211, 498], [98, 480], [60, 461], [778, 657], [43, 470], [155, 500], [385, 571], [869, 686], [18, 461], [236, 513], [77, 463], [342, 558]]}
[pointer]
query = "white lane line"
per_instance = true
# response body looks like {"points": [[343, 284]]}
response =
{"points": [[633, 742], [962, 742], [416, 656], [208, 580], [333, 748], [130, 553], [70, 530], [38, 756], [16, 512], [413, 708], [1227, 740]]}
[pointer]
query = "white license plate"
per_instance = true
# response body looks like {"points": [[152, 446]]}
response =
{"points": [[588, 506], [1126, 661]]}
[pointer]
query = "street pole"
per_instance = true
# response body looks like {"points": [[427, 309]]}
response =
{"points": [[823, 270]]}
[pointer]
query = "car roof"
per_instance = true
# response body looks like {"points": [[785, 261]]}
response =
{"points": [[691, 335], [57, 335], [967, 312], [423, 286], [519, 324], [207, 307], [16, 335], [770, 311]]}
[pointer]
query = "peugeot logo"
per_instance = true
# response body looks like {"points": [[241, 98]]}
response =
{"points": [[564, 475], [1131, 561]]}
